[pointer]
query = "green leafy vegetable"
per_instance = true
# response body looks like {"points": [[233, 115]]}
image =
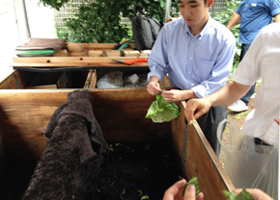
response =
{"points": [[160, 111], [193, 181], [243, 195]]}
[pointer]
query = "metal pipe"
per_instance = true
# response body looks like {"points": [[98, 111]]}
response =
{"points": [[167, 9], [16, 20], [25, 19]]}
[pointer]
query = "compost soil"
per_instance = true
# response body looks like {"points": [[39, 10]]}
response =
{"points": [[138, 171], [132, 172]]}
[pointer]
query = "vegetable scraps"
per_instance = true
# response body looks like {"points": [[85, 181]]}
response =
{"points": [[243, 195], [160, 111], [193, 181]]}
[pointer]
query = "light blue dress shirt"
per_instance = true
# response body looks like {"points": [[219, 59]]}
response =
{"points": [[202, 63], [255, 14]]}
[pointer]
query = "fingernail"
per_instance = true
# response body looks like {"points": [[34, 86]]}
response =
{"points": [[191, 188]]}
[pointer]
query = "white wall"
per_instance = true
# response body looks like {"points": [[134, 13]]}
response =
{"points": [[13, 29]]}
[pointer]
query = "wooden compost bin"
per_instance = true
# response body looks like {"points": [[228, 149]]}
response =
{"points": [[25, 113], [78, 65]]}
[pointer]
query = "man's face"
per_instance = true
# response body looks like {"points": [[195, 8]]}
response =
{"points": [[195, 12]]}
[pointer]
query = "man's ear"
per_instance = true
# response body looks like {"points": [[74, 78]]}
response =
{"points": [[210, 2]]}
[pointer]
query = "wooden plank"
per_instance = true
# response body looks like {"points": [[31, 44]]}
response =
{"points": [[9, 82], [98, 46], [17, 80], [2, 158], [200, 160], [130, 53], [91, 79], [78, 54], [102, 46], [61, 53], [95, 53], [120, 113], [48, 86], [72, 62], [74, 47], [112, 53]]}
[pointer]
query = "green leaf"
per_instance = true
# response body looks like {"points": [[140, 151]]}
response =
{"points": [[243, 195], [194, 181], [160, 111]]}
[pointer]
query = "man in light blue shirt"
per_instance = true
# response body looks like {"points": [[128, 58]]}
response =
{"points": [[197, 54], [253, 16]]}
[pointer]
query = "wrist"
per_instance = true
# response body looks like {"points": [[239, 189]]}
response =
{"points": [[154, 79], [210, 99]]}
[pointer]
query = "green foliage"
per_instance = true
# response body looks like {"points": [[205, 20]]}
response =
{"points": [[143, 197], [224, 17], [96, 21], [243, 195], [194, 181], [56, 4], [161, 111], [100, 19]]}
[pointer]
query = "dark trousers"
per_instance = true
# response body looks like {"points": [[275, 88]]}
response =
{"points": [[209, 123], [247, 96]]}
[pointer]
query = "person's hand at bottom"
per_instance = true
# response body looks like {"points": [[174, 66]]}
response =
{"points": [[256, 193], [175, 192]]}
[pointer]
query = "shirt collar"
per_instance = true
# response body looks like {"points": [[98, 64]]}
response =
{"points": [[204, 30]]}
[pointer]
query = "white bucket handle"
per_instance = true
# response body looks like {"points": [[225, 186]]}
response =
{"points": [[220, 132]]}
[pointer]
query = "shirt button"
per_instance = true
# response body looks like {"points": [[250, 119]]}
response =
{"points": [[192, 84], [192, 43], [189, 71], [190, 58]]}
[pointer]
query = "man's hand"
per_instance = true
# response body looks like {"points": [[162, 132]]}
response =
{"points": [[196, 108], [175, 192], [277, 120], [153, 86], [173, 95]]}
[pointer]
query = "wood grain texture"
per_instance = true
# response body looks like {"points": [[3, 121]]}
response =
{"points": [[91, 79], [121, 114], [2, 158], [73, 62], [16, 80], [78, 57], [201, 160]]}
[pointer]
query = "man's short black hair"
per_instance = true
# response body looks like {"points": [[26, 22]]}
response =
{"points": [[205, 1]]}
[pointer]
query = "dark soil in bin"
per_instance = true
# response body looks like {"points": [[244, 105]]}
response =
{"points": [[133, 171], [137, 170]]}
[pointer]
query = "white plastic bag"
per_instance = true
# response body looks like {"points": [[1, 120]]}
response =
{"points": [[249, 165], [111, 80]]}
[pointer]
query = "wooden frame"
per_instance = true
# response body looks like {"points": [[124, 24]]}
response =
{"points": [[121, 114], [79, 58], [200, 159]]}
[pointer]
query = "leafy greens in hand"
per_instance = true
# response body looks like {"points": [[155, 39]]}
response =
{"points": [[193, 181], [243, 195], [160, 111]]}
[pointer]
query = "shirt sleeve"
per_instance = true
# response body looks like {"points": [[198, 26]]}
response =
{"points": [[248, 70], [238, 10], [221, 70], [158, 61], [274, 6]]}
